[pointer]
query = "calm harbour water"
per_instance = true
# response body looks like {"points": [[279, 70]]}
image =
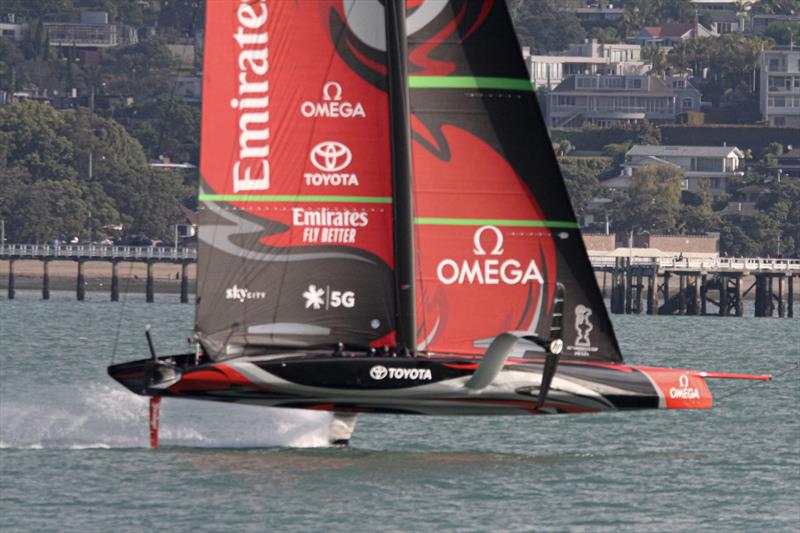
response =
{"points": [[73, 453]]}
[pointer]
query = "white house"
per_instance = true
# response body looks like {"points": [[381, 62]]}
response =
{"points": [[706, 168], [779, 93]]}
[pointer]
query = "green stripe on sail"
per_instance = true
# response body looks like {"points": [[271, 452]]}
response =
{"points": [[469, 82], [556, 224], [289, 198]]}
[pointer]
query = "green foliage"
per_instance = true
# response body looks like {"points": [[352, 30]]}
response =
{"points": [[594, 138], [777, 7], [651, 203], [143, 69], [542, 25], [581, 175], [50, 193], [784, 33], [641, 13], [37, 140], [731, 59], [604, 35]]}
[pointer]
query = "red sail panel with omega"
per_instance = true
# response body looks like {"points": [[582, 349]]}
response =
{"points": [[295, 237], [494, 228]]}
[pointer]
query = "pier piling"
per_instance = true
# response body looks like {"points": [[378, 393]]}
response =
{"points": [[12, 292], [184, 283], [45, 280], [149, 288], [115, 281], [80, 288]]}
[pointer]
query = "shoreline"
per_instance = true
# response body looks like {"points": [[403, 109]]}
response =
{"points": [[132, 276]]}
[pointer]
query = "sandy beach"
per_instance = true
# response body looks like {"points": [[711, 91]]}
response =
{"points": [[64, 274]]}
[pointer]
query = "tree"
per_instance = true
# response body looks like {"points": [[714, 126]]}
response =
{"points": [[545, 27], [652, 201], [581, 178], [784, 33], [777, 7], [38, 140], [657, 57]]}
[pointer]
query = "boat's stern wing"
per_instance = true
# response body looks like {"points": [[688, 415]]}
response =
{"points": [[687, 389]]}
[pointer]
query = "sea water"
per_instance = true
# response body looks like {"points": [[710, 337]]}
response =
{"points": [[74, 456]]}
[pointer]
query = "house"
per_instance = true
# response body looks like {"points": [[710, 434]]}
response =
{"points": [[706, 168], [11, 29], [788, 164], [779, 92], [598, 15], [760, 23], [728, 5], [612, 100], [671, 33], [589, 57], [723, 21], [188, 88], [93, 31]]}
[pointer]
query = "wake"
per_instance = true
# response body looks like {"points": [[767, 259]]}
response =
{"points": [[106, 416]]}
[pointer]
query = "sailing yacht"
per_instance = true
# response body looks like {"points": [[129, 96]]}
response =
{"points": [[384, 227]]}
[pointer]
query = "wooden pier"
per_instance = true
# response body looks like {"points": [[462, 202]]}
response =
{"points": [[667, 286], [635, 285], [83, 254]]}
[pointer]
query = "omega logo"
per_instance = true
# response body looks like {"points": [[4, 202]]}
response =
{"points": [[332, 91], [478, 247]]}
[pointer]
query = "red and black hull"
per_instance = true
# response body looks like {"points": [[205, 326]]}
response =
{"points": [[417, 385]]}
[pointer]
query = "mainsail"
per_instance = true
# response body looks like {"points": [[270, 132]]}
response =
{"points": [[295, 237], [494, 227]]}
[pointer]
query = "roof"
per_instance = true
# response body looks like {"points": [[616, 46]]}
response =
{"points": [[684, 151], [721, 15], [791, 154], [651, 160], [669, 29]]}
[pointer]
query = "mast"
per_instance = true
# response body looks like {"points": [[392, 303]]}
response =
{"points": [[397, 53]]}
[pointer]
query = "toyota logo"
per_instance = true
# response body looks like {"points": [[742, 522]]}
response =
{"points": [[378, 372], [330, 156]]}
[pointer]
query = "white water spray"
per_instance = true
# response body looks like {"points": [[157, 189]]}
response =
{"points": [[107, 416]]}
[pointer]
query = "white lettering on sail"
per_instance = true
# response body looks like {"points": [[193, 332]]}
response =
{"points": [[488, 271], [323, 225], [325, 298], [332, 105], [250, 172]]}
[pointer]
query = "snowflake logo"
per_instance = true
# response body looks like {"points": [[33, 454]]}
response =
{"points": [[314, 296]]}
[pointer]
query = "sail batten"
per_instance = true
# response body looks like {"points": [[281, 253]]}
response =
{"points": [[469, 82], [561, 224]]}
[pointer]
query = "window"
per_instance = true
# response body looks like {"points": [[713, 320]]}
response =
{"points": [[636, 84], [687, 103], [774, 63], [715, 183], [707, 164]]}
